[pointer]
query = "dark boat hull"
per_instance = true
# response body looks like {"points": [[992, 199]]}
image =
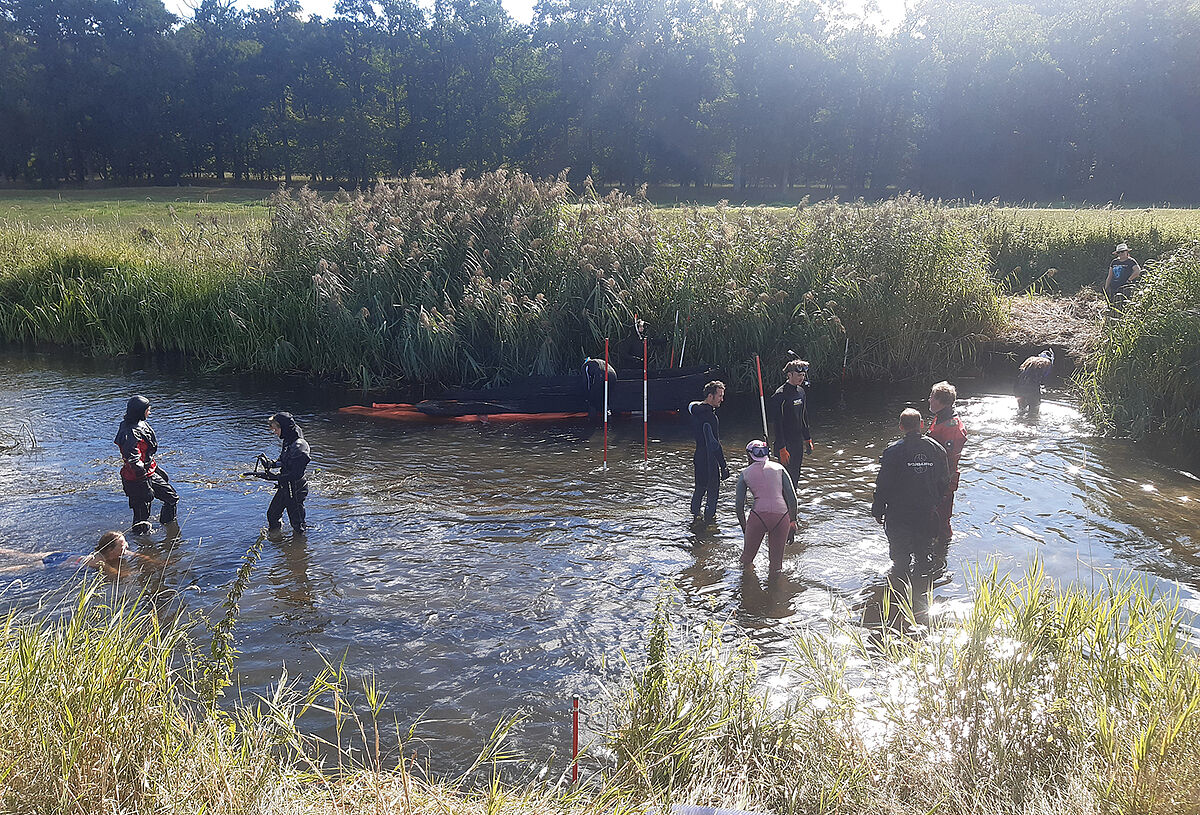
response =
{"points": [[667, 390]]}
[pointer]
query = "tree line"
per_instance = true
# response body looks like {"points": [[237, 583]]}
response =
{"points": [[964, 98]]}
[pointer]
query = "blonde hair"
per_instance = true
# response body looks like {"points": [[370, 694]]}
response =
{"points": [[946, 393]]}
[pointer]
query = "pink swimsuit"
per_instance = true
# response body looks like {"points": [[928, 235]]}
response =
{"points": [[770, 517]]}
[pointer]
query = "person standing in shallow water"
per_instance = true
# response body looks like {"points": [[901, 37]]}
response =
{"points": [[141, 477], [1033, 373], [291, 486], [912, 479], [788, 412], [708, 462], [947, 430], [774, 513]]}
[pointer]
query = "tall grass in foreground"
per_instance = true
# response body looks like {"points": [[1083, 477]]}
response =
{"points": [[1044, 699], [1146, 374], [459, 280]]}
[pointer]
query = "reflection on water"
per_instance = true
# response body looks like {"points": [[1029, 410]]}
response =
{"points": [[480, 570]]}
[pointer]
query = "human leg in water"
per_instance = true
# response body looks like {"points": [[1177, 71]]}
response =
{"points": [[141, 499], [289, 497], [160, 485], [776, 527], [708, 483]]}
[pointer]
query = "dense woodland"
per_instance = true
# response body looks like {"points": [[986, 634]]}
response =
{"points": [[1076, 98]]}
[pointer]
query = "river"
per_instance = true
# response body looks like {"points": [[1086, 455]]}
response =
{"points": [[479, 570]]}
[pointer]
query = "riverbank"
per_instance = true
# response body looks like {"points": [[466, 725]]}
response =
{"points": [[1041, 697], [457, 281]]}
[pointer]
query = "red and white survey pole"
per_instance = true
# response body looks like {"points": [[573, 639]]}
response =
{"points": [[762, 400], [606, 401], [645, 400]]}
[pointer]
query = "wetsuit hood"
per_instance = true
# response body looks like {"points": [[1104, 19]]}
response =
{"points": [[135, 410], [289, 430]]}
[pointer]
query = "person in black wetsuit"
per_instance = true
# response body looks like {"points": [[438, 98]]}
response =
{"points": [[913, 477], [788, 413], [141, 477], [708, 462], [291, 486]]}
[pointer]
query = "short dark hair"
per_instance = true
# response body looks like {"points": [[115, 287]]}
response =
{"points": [[713, 387], [910, 420]]}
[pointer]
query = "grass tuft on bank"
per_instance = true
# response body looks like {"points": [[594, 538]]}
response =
{"points": [[1043, 697]]}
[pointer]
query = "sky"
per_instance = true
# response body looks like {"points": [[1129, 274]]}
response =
{"points": [[521, 10]]}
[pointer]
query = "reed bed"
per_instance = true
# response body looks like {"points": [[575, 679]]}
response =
{"points": [[1042, 698], [1145, 375], [456, 280]]}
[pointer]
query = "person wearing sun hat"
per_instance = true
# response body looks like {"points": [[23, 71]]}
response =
{"points": [[774, 512], [1121, 272]]}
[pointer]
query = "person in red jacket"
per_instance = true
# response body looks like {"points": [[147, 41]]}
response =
{"points": [[141, 477], [947, 430]]}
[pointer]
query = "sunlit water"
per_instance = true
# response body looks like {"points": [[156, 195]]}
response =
{"points": [[479, 570]]}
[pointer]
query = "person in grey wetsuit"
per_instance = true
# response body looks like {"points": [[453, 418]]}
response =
{"points": [[708, 462]]}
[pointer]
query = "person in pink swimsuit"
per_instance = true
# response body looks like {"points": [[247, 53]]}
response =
{"points": [[774, 512]]}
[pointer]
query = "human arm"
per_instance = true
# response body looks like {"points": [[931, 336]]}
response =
{"points": [[1137, 271], [883, 482], [1108, 280], [789, 496], [740, 500], [713, 448]]}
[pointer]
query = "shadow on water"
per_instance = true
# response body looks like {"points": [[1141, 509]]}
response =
{"points": [[482, 570]]}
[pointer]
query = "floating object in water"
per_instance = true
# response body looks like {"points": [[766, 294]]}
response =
{"points": [[409, 413], [1029, 533]]}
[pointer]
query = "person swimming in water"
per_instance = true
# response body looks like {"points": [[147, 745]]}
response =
{"points": [[110, 556]]}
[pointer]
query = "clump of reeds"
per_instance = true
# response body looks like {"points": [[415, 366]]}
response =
{"points": [[1044, 698], [1145, 376]]}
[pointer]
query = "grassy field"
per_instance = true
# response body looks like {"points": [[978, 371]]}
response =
{"points": [[1043, 698]]}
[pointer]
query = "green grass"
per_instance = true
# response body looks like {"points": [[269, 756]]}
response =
{"points": [[1146, 374], [1042, 698]]}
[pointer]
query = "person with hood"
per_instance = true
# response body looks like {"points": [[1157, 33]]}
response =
{"points": [[291, 487], [912, 479], [141, 477], [774, 513], [1033, 373], [788, 412], [708, 462]]}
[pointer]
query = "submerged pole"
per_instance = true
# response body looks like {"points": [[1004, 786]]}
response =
{"points": [[575, 740]]}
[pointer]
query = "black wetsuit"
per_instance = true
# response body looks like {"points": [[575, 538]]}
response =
{"points": [[708, 462], [141, 477], [788, 412], [913, 477], [292, 486]]}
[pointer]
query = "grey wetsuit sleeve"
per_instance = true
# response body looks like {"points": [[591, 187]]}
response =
{"points": [[789, 495], [740, 494]]}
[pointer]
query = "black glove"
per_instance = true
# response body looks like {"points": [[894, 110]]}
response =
{"points": [[725, 473], [139, 467]]}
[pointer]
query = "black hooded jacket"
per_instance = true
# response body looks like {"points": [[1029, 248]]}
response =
{"points": [[136, 441], [293, 454]]}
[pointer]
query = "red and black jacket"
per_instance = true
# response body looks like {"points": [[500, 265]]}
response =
{"points": [[948, 430], [138, 444]]}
